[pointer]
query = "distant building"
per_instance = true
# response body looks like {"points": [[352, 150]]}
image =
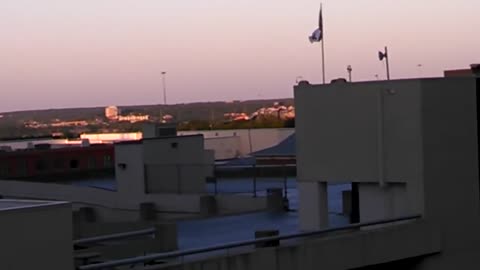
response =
{"points": [[111, 137], [458, 73], [45, 161], [151, 130], [133, 118], [112, 112], [474, 70], [167, 118], [82, 123], [236, 117], [278, 110]]}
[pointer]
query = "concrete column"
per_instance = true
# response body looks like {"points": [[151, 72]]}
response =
{"points": [[275, 200], [355, 204], [313, 205]]}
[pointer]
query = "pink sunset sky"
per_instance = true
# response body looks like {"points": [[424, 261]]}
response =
{"points": [[62, 53]]}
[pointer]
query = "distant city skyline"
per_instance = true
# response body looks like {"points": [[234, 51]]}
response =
{"points": [[58, 54]]}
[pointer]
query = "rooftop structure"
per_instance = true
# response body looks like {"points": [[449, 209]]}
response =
{"points": [[30, 226]]}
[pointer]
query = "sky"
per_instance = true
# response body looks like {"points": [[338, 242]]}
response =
{"points": [[67, 53]]}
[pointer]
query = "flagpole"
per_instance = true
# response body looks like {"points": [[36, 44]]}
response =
{"points": [[323, 46], [323, 59], [386, 62]]}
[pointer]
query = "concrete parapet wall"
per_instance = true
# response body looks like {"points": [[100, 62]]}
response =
{"points": [[348, 250], [250, 140], [224, 147], [112, 206], [230, 204], [36, 238], [93, 196]]}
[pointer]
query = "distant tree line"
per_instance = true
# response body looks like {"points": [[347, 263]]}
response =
{"points": [[194, 116]]}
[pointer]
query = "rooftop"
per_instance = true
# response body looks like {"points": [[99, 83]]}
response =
{"points": [[283, 149]]}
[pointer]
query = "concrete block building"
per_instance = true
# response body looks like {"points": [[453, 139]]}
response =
{"points": [[408, 147], [176, 164]]}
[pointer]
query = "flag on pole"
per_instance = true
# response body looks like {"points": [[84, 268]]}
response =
{"points": [[317, 35], [382, 55]]}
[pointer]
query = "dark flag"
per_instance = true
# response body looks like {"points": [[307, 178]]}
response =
{"points": [[382, 55]]}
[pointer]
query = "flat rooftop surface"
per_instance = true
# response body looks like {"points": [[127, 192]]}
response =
{"points": [[220, 230]]}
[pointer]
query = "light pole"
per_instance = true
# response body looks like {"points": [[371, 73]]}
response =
{"points": [[349, 69], [419, 66], [298, 79], [164, 73]]}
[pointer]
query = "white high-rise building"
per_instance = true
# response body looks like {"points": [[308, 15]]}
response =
{"points": [[112, 112]]}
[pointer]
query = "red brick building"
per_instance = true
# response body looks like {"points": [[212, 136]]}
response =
{"points": [[30, 163], [458, 73]]}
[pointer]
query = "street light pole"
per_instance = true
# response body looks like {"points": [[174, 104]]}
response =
{"points": [[349, 69], [419, 66], [298, 79], [164, 87]]}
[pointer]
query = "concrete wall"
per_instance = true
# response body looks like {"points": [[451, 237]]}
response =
{"points": [[130, 179], [163, 165], [93, 196], [122, 207], [377, 202], [37, 238], [314, 201], [224, 147], [175, 165], [250, 140], [341, 251], [366, 132], [450, 145], [413, 147]]}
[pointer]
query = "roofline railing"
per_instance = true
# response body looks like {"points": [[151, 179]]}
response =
{"points": [[181, 253], [116, 236]]}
